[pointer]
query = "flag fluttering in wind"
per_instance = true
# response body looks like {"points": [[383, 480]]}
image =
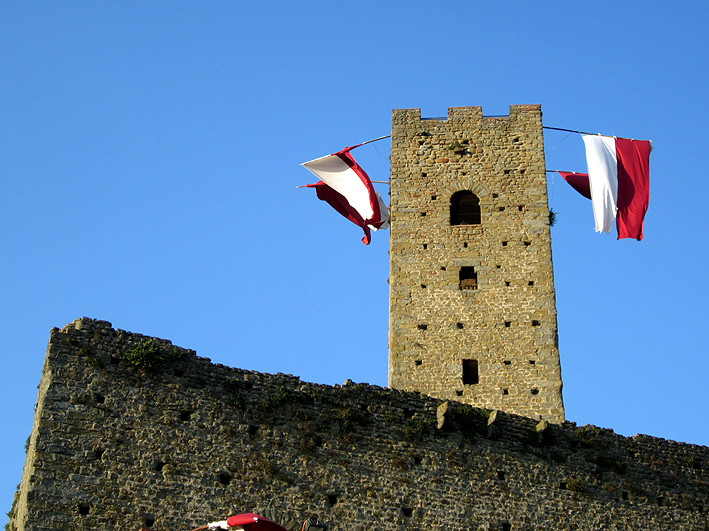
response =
{"points": [[617, 182], [347, 188], [245, 522]]}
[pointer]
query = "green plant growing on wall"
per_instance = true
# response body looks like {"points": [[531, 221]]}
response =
{"points": [[279, 397], [11, 514], [233, 393], [90, 357], [149, 356], [552, 217], [574, 485], [415, 430]]}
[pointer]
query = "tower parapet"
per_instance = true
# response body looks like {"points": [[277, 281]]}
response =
{"points": [[472, 312]]}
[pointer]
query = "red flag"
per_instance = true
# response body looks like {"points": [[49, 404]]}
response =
{"points": [[578, 181], [348, 189], [253, 522], [618, 183]]}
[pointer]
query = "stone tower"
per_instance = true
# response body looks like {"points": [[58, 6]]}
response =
{"points": [[472, 312]]}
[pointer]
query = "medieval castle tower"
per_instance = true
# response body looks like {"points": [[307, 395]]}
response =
{"points": [[472, 313]]}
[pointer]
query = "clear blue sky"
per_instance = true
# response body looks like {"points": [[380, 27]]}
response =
{"points": [[149, 154]]}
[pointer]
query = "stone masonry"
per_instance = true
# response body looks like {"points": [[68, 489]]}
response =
{"points": [[120, 447], [472, 312]]}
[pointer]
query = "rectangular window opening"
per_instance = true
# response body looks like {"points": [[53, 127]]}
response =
{"points": [[470, 372], [468, 278]]}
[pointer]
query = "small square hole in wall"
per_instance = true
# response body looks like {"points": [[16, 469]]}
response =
{"points": [[458, 393], [459, 326], [98, 452], [465, 244], [498, 266], [502, 209], [178, 372], [100, 399], [149, 522], [508, 324], [425, 246], [535, 391], [423, 286], [495, 196], [159, 465], [505, 526], [520, 208], [505, 392], [407, 512], [332, 499], [224, 479], [531, 283], [527, 244], [532, 362], [507, 283], [504, 244], [185, 415], [506, 172], [443, 268], [418, 362], [423, 214], [423, 327], [83, 509], [507, 362], [424, 174], [535, 322], [434, 197]]}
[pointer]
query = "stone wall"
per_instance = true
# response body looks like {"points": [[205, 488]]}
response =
{"points": [[503, 321], [117, 447]]}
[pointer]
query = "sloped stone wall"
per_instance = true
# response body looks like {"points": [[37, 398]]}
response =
{"points": [[114, 447], [504, 322]]}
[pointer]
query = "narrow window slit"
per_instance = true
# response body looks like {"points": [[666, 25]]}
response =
{"points": [[470, 372]]}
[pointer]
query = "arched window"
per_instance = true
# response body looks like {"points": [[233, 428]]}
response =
{"points": [[465, 208]]}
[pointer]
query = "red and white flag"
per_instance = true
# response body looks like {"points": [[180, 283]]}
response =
{"points": [[348, 189], [618, 181]]}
